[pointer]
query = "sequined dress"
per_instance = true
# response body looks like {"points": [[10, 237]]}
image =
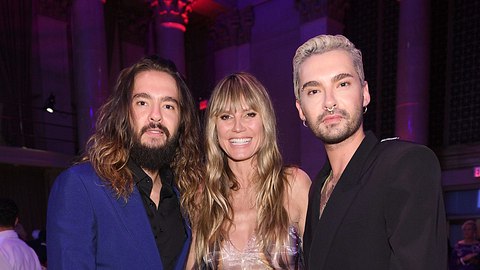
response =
{"points": [[289, 256]]}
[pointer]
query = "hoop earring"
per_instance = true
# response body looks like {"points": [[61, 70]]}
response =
{"points": [[305, 123], [365, 109]]}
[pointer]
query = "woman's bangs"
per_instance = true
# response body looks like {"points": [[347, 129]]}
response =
{"points": [[236, 98]]}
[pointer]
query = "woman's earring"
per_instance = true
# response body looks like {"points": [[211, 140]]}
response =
{"points": [[305, 123], [365, 109]]}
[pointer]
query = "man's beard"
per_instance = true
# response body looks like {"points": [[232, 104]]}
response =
{"points": [[154, 157], [332, 134]]}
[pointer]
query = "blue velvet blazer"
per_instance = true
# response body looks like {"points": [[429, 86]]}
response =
{"points": [[88, 228]]}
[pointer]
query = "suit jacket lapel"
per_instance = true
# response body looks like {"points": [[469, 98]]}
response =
{"points": [[138, 227], [182, 258], [342, 197], [313, 210]]}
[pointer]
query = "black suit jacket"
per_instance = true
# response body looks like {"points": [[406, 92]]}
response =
{"points": [[386, 212]]}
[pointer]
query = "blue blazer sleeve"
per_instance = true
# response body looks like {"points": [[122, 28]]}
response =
{"points": [[70, 224]]}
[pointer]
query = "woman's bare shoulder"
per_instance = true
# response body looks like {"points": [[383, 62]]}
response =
{"points": [[298, 179]]}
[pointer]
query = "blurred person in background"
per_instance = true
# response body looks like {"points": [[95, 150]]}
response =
{"points": [[466, 251], [15, 254]]}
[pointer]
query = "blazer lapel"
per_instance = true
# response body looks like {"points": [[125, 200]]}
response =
{"points": [[182, 258], [342, 197], [313, 210], [137, 225]]}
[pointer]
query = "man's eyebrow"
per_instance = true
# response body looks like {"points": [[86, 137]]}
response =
{"points": [[341, 76], [169, 98], [310, 84], [141, 95], [334, 79], [163, 99]]}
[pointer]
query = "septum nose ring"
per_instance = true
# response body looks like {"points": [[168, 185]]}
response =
{"points": [[330, 110]]}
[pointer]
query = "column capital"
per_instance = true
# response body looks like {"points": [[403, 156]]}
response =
{"points": [[172, 13], [133, 22], [233, 28], [311, 10]]}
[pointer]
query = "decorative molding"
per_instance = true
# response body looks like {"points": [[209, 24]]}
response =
{"points": [[233, 28], [56, 9], [172, 11], [133, 22], [315, 9]]}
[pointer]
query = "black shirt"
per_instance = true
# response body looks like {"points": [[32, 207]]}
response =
{"points": [[166, 221]]}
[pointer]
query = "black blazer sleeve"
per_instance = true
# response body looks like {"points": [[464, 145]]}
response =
{"points": [[415, 214]]}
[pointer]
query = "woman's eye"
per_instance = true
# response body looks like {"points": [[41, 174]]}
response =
{"points": [[141, 103], [224, 117], [169, 107], [251, 114]]}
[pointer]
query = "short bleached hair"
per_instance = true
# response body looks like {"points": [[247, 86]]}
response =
{"points": [[322, 44]]}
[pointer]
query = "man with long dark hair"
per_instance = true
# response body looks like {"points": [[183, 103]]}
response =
{"points": [[125, 206]]}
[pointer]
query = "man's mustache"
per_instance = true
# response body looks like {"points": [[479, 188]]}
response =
{"points": [[341, 112], [156, 126]]}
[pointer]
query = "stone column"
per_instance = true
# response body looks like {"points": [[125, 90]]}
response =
{"points": [[232, 33], [411, 121], [171, 18], [89, 64]]}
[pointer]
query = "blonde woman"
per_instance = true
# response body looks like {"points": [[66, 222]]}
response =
{"points": [[253, 208], [467, 250]]}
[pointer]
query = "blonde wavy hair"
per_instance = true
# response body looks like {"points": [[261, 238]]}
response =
{"points": [[108, 149], [322, 44], [238, 91]]}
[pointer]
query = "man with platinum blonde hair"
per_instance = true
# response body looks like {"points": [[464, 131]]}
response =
{"points": [[375, 204]]}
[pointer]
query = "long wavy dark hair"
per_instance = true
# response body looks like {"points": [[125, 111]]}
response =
{"points": [[108, 149]]}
